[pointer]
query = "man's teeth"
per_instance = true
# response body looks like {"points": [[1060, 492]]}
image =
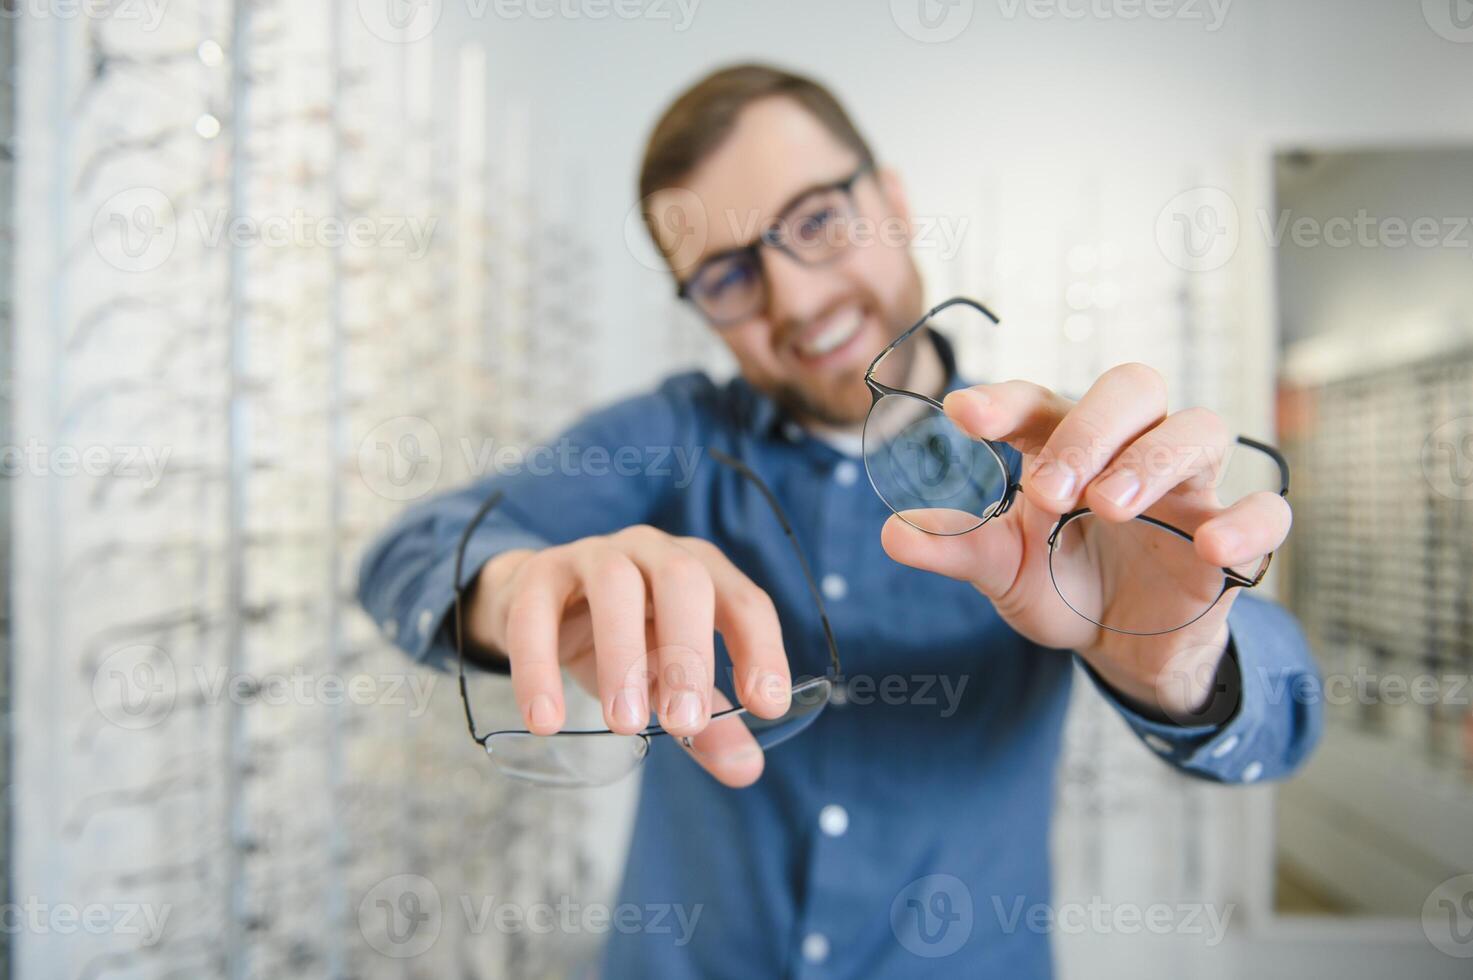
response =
{"points": [[833, 336]]}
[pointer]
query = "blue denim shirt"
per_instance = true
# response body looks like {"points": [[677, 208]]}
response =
{"points": [[899, 834]]}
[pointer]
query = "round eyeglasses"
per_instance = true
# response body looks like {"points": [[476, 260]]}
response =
{"points": [[597, 757], [942, 481]]}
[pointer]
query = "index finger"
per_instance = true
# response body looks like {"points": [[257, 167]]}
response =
{"points": [[1019, 413], [726, 748], [747, 619]]}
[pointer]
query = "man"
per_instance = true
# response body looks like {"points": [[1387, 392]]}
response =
{"points": [[620, 581]]}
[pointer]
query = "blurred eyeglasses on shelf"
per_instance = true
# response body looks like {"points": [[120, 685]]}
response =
{"points": [[940, 480]]}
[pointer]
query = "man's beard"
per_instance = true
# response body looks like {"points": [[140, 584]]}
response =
{"points": [[844, 405]]}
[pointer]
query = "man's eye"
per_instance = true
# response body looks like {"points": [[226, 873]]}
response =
{"points": [[733, 276], [810, 226]]}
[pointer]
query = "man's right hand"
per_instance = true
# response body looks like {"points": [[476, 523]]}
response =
{"points": [[631, 616]]}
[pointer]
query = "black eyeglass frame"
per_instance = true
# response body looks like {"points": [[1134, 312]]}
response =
{"points": [[772, 237], [878, 390], [1232, 579], [800, 690]]}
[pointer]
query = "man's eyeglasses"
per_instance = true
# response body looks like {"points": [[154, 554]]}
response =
{"points": [[814, 230], [940, 480], [597, 757]]}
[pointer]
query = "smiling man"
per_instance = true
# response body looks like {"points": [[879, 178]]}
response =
{"points": [[925, 786]]}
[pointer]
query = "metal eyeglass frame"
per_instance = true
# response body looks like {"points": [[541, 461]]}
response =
{"points": [[878, 390], [772, 236], [1231, 578], [802, 689]]}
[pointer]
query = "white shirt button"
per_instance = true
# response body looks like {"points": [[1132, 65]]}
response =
{"points": [[1224, 747], [815, 947], [426, 620], [834, 587], [833, 820], [1158, 743], [391, 628], [1252, 771], [846, 474], [792, 431]]}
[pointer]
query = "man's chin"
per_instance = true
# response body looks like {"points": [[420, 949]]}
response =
{"points": [[839, 409]]}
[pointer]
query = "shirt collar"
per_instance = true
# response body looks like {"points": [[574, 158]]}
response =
{"points": [[760, 415]]}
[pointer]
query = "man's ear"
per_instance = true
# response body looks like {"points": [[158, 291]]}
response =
{"points": [[894, 193]]}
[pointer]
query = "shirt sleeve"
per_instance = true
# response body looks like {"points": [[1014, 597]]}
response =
{"points": [[612, 469], [1276, 720]]}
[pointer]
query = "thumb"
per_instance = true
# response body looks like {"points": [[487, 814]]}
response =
{"points": [[988, 557]]}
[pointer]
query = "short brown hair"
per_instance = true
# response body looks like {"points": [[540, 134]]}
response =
{"points": [[704, 114]]}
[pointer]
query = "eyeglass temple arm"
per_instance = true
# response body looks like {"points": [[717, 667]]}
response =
{"points": [[954, 301], [1272, 453], [823, 614], [465, 537]]}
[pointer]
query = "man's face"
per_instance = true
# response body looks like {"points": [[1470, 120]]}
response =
{"points": [[809, 346]]}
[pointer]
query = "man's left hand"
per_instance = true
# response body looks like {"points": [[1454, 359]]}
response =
{"points": [[1118, 452]]}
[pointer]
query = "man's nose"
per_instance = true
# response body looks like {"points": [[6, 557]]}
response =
{"points": [[796, 292]]}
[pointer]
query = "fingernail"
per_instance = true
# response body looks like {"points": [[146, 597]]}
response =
{"points": [[1120, 487], [969, 399], [684, 710], [629, 709], [776, 688], [1055, 481], [542, 712]]}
